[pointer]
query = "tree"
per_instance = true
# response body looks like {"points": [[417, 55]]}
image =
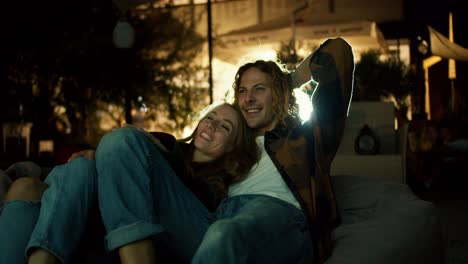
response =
{"points": [[53, 60], [166, 75], [382, 78], [171, 50], [63, 67]]}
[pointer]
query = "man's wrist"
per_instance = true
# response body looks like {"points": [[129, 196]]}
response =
{"points": [[301, 74]]}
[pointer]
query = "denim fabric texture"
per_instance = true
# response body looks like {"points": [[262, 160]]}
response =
{"points": [[17, 221], [5, 182], [256, 229], [140, 196], [66, 205]]}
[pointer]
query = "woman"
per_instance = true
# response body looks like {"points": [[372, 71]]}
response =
{"points": [[140, 195]]}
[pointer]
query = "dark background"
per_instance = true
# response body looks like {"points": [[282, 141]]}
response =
{"points": [[41, 27]]}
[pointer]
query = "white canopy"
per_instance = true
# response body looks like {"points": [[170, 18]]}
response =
{"points": [[361, 35], [441, 46]]}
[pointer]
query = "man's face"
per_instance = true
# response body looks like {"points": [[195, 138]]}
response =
{"points": [[255, 100]]}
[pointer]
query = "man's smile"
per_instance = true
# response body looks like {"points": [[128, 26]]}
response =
{"points": [[251, 111]]}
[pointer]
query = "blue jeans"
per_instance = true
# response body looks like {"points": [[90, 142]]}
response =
{"points": [[140, 196], [256, 229], [17, 221], [56, 223]]}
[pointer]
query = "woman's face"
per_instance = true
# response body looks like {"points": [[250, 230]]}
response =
{"points": [[216, 133]]}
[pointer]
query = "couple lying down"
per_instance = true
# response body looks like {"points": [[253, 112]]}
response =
{"points": [[250, 185]]}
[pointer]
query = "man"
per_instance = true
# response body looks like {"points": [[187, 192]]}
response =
{"points": [[285, 210]]}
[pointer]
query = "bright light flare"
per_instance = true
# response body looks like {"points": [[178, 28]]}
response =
{"points": [[305, 104]]}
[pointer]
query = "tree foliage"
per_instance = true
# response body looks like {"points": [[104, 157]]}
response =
{"points": [[171, 50], [376, 77], [66, 73], [52, 64]]}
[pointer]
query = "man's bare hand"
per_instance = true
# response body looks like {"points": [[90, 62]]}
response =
{"points": [[87, 153]]}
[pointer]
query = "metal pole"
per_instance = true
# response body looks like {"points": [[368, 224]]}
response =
{"points": [[293, 26], [210, 51], [452, 72], [127, 86]]}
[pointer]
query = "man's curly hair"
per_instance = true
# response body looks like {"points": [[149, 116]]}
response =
{"points": [[284, 103]]}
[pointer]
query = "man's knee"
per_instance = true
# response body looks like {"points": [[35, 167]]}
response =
{"points": [[26, 188], [224, 231]]}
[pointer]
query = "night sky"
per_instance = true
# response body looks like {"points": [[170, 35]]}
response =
{"points": [[435, 13]]}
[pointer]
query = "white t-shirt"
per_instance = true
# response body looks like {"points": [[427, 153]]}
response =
{"points": [[264, 178]]}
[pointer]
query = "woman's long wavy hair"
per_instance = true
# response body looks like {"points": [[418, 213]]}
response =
{"points": [[244, 154], [284, 102]]}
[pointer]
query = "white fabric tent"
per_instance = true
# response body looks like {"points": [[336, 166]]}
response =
{"points": [[441, 46], [361, 35]]}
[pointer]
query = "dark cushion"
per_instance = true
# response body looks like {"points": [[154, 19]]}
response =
{"points": [[384, 222]]}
